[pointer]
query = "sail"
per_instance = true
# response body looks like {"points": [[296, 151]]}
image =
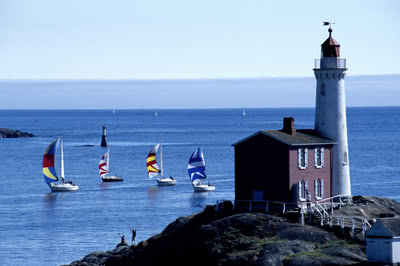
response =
{"points": [[103, 164], [197, 166], [49, 157], [152, 167]]}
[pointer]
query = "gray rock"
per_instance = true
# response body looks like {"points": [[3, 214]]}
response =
{"points": [[274, 253], [307, 233], [349, 253], [9, 133], [226, 238]]}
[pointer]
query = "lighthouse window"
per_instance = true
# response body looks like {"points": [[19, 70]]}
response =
{"points": [[323, 89], [345, 158], [319, 157], [302, 156]]}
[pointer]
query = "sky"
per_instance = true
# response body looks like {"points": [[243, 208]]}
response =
{"points": [[180, 39]]}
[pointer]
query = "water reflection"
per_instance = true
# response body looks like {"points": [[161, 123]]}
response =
{"points": [[152, 192], [105, 185], [50, 199], [199, 199]]}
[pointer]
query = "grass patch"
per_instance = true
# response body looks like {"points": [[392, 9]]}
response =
{"points": [[335, 243]]}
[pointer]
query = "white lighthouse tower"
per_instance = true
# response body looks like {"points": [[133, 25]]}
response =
{"points": [[330, 111]]}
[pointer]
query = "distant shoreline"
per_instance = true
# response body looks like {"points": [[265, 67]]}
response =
{"points": [[10, 133]]}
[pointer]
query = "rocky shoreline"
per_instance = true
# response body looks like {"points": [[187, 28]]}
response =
{"points": [[9, 133], [229, 238]]}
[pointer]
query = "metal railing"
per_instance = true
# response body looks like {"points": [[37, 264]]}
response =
{"points": [[252, 205], [334, 202], [330, 62]]}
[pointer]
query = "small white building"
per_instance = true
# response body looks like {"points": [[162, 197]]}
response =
{"points": [[383, 241]]}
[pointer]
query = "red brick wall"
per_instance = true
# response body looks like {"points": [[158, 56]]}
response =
{"points": [[311, 172]]}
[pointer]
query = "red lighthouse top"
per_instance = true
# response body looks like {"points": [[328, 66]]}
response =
{"points": [[330, 47]]}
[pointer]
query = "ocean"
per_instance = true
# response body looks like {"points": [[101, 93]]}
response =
{"points": [[38, 227]]}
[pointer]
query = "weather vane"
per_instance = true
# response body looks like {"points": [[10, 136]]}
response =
{"points": [[327, 23]]}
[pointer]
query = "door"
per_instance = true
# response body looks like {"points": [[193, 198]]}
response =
{"points": [[258, 195]]}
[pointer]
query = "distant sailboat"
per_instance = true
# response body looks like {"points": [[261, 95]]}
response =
{"points": [[154, 171], [155, 114], [104, 169], [197, 172], [244, 113], [49, 170]]}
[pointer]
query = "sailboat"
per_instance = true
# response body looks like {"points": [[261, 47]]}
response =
{"points": [[197, 172], [104, 169], [244, 112], [154, 171], [49, 170]]}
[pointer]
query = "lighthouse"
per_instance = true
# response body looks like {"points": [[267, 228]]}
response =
{"points": [[104, 137], [330, 111]]}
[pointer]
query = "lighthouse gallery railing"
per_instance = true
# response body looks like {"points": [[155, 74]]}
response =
{"points": [[329, 62]]}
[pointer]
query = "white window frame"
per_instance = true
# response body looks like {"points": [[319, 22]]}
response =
{"points": [[302, 158], [319, 151], [301, 190], [319, 189]]}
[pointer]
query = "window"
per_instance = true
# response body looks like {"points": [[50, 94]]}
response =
{"points": [[302, 156], [319, 189], [319, 157], [301, 191], [323, 89], [345, 158]]}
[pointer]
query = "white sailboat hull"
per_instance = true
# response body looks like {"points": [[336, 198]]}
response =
{"points": [[66, 187], [166, 181], [203, 187], [112, 179]]}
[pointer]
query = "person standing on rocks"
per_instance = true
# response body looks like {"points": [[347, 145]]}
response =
{"points": [[123, 240], [133, 235]]}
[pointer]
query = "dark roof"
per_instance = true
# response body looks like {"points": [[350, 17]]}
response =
{"points": [[330, 47], [302, 137], [392, 225]]}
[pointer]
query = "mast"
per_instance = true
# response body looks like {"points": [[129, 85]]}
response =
{"points": [[62, 161], [161, 161], [108, 160]]}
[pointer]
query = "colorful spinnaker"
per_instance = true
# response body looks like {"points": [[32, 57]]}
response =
{"points": [[152, 167], [103, 164], [197, 167], [49, 157]]}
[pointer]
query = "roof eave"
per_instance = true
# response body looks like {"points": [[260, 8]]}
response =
{"points": [[298, 144], [249, 137]]}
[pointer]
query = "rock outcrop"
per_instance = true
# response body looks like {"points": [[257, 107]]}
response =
{"points": [[9, 133], [227, 238]]}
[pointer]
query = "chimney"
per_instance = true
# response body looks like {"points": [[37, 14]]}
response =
{"points": [[288, 126]]}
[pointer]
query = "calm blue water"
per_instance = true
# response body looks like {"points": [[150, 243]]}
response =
{"points": [[45, 228]]}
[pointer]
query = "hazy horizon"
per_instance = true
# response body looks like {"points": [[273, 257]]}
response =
{"points": [[186, 79], [361, 91]]}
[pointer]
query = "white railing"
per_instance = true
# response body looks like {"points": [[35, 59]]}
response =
{"points": [[251, 205], [333, 202]]}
